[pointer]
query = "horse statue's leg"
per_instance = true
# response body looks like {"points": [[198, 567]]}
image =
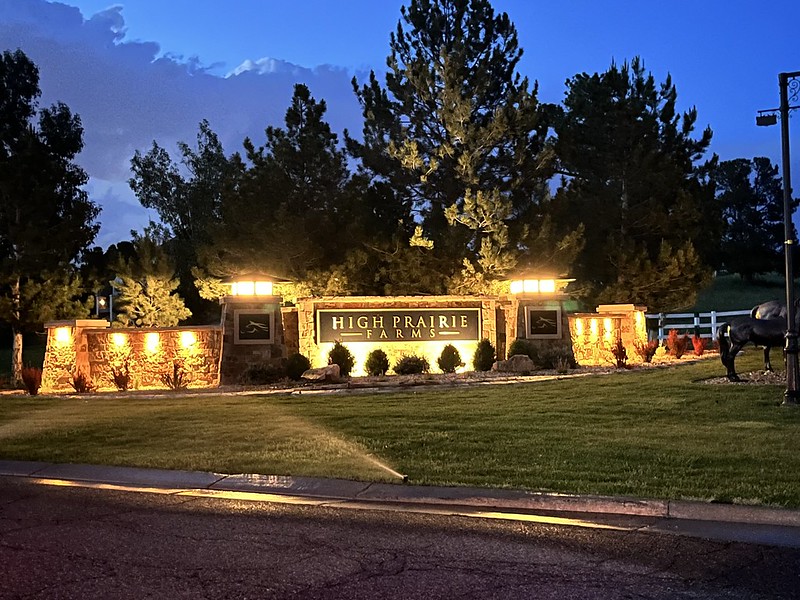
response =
{"points": [[767, 363], [734, 350]]}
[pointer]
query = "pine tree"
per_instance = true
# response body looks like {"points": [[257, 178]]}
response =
{"points": [[751, 195], [459, 137], [145, 285], [630, 177], [290, 212]]}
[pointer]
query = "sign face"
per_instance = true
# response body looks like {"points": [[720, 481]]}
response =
{"points": [[253, 326], [398, 324], [542, 323]]}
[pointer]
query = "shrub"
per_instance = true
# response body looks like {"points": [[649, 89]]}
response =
{"points": [[262, 374], [646, 350], [699, 345], [484, 356], [341, 355], [412, 365], [549, 357], [296, 365], [677, 344], [81, 382], [620, 354], [121, 375], [178, 379], [32, 379], [562, 365], [519, 346], [377, 363], [450, 359]]}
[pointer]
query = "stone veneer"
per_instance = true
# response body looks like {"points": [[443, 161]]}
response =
{"points": [[492, 323], [238, 357], [93, 348], [611, 322]]}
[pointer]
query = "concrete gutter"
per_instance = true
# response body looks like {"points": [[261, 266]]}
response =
{"points": [[340, 490]]}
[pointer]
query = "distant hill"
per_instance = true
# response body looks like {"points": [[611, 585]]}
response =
{"points": [[731, 292]]}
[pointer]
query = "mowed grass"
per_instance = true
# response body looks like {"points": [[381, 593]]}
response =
{"points": [[655, 433]]}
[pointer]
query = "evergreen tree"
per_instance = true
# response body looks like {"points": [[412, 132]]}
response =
{"points": [[146, 284], [290, 212], [751, 195], [460, 138], [630, 177], [46, 218]]}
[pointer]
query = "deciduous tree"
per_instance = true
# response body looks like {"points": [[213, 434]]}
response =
{"points": [[46, 218]]}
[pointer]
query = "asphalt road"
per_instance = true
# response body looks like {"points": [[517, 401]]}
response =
{"points": [[65, 542]]}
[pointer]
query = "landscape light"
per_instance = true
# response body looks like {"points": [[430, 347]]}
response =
{"points": [[119, 339], [63, 335], [151, 341], [188, 339]]}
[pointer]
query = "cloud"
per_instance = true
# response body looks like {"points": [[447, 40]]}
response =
{"points": [[128, 93]]}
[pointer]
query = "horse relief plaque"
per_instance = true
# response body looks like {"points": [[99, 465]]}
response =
{"points": [[253, 326]]}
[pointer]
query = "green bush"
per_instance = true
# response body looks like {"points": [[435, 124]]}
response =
{"points": [[519, 346], [484, 356], [296, 365], [450, 359], [412, 365], [341, 355], [377, 363], [554, 357]]}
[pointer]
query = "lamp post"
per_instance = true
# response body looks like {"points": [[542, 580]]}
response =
{"points": [[791, 395]]}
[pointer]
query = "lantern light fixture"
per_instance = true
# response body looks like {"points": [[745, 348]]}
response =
{"points": [[252, 284], [536, 285]]}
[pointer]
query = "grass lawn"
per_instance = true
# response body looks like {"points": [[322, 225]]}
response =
{"points": [[656, 433]]}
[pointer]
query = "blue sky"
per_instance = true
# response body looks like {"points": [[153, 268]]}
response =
{"points": [[131, 69]]}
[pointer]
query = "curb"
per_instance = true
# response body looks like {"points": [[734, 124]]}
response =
{"points": [[347, 490]]}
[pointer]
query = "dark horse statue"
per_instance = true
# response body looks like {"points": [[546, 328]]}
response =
{"points": [[766, 326], [772, 309], [761, 332]]}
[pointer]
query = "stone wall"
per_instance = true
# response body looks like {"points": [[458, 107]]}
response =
{"points": [[594, 334], [492, 327], [146, 354]]}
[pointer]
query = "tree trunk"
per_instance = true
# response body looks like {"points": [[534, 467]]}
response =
{"points": [[16, 357], [16, 347]]}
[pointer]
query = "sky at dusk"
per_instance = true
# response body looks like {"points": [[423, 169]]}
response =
{"points": [[144, 70]]}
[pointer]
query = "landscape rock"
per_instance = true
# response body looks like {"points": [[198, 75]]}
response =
{"points": [[519, 363], [328, 373]]}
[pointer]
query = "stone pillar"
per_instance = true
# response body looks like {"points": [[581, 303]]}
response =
{"points": [[252, 335], [544, 323]]}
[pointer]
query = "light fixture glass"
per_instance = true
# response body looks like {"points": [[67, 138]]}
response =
{"points": [[63, 335]]}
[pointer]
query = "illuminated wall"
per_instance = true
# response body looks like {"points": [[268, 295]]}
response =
{"points": [[490, 315], [594, 334], [145, 354]]}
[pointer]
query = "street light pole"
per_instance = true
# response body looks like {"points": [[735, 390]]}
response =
{"points": [[765, 118], [791, 396]]}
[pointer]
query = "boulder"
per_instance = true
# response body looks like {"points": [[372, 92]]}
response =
{"points": [[328, 373], [519, 363]]}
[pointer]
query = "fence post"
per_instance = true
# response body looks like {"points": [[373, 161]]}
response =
{"points": [[713, 323], [696, 324], [661, 329]]}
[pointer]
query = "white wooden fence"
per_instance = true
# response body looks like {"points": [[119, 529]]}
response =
{"points": [[704, 324]]}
